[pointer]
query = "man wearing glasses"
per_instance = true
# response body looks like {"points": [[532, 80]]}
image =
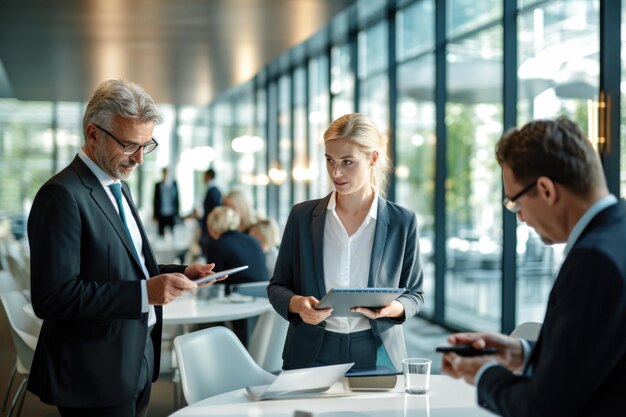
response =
{"points": [[94, 279], [577, 367]]}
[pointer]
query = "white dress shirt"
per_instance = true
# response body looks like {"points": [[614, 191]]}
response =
{"points": [[347, 260], [105, 181]]}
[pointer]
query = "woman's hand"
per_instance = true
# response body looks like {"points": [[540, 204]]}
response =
{"points": [[395, 309], [305, 307]]}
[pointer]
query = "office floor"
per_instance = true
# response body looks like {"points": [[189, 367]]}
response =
{"points": [[421, 337]]}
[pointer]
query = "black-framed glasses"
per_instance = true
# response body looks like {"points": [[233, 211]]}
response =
{"points": [[511, 203], [131, 148]]}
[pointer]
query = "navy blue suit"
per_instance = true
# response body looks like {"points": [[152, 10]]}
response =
{"points": [[395, 262], [578, 364], [86, 286]]}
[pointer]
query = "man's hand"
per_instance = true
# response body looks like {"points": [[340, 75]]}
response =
{"points": [[509, 353], [198, 270], [164, 288], [305, 307], [395, 309]]}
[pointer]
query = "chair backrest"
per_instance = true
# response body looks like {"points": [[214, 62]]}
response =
{"points": [[18, 270], [24, 329], [267, 341], [213, 361], [7, 283], [528, 330]]}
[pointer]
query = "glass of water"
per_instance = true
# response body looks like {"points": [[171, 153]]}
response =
{"points": [[416, 375]]}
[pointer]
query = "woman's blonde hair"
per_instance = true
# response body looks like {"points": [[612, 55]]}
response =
{"points": [[237, 200], [268, 232], [361, 131], [221, 220]]}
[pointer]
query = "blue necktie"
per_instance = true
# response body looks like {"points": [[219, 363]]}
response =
{"points": [[116, 189]]}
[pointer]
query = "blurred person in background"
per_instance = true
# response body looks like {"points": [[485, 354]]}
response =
{"points": [[237, 200], [267, 233], [229, 248], [212, 199], [165, 203]]}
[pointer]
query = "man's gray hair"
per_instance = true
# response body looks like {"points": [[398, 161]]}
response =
{"points": [[120, 98]]}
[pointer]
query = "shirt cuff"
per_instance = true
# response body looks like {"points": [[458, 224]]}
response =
{"points": [[145, 307]]}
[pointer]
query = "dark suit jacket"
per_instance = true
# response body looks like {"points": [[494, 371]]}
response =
{"points": [[395, 262], [85, 284], [156, 204], [578, 365], [234, 249]]}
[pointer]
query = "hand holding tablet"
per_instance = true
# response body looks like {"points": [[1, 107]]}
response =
{"points": [[215, 276]]}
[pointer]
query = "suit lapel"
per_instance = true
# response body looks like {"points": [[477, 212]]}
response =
{"points": [[104, 203], [380, 237], [317, 238]]}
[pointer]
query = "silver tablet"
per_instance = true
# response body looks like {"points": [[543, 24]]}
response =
{"points": [[343, 299], [220, 274]]}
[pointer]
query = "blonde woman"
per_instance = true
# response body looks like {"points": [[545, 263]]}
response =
{"points": [[238, 201], [352, 237], [230, 248], [266, 232]]}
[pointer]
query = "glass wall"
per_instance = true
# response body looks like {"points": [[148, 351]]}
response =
{"points": [[558, 74], [318, 120], [373, 77], [415, 135], [473, 208], [342, 80]]}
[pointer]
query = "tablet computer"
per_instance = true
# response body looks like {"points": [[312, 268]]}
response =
{"points": [[220, 274], [343, 299]]}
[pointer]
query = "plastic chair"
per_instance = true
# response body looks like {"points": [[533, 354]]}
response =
{"points": [[18, 270], [267, 340], [7, 283], [213, 361], [24, 332], [528, 330]]}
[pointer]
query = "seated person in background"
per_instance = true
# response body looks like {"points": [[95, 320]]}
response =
{"points": [[266, 231], [231, 248], [237, 201]]}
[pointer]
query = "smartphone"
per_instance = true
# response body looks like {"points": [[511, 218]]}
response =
{"points": [[466, 350], [220, 274]]}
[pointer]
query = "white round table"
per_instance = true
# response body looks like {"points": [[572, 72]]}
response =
{"points": [[190, 309], [447, 398]]}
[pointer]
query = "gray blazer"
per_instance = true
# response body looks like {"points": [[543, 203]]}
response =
{"points": [[395, 262]]}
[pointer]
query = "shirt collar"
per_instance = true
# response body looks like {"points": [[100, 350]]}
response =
{"points": [[104, 178], [586, 218], [372, 213]]}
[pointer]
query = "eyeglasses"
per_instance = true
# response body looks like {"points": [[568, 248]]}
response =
{"points": [[511, 203], [131, 148]]}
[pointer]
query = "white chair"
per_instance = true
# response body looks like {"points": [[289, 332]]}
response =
{"points": [[24, 332], [213, 361], [528, 330], [18, 270], [7, 283], [267, 341]]}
